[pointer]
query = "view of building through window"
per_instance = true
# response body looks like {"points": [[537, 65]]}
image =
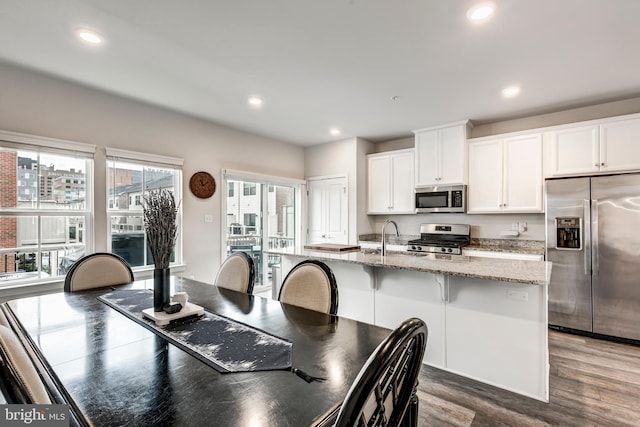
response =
{"points": [[259, 219], [43, 213], [126, 185]]}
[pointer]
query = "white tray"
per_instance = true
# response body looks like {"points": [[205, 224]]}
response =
{"points": [[161, 318]]}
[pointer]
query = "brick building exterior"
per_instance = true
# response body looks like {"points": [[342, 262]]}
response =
{"points": [[8, 199]]}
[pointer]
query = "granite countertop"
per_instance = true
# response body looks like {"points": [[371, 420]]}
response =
{"points": [[532, 247], [505, 270]]}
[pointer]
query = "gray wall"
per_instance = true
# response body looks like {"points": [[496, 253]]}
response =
{"points": [[38, 104]]}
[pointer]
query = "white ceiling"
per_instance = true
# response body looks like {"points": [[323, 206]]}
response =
{"points": [[336, 63]]}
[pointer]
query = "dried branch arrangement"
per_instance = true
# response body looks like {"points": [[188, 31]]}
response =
{"points": [[159, 212]]}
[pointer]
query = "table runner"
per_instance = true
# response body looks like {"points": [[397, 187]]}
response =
{"points": [[222, 343]]}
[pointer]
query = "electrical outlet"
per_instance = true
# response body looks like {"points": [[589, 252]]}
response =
{"points": [[515, 295], [208, 218]]}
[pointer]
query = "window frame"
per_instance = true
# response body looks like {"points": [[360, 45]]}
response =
{"points": [[145, 160], [73, 150]]}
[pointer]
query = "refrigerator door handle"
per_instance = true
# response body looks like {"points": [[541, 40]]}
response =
{"points": [[594, 235], [587, 246]]}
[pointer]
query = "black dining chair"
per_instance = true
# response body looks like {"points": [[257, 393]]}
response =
{"points": [[97, 270], [237, 273], [312, 285], [384, 393]]}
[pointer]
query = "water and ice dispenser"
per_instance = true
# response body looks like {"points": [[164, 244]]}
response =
{"points": [[569, 233]]}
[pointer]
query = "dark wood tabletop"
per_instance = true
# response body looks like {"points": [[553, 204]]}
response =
{"points": [[116, 372]]}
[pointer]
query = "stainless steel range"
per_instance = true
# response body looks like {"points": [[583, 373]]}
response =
{"points": [[441, 239]]}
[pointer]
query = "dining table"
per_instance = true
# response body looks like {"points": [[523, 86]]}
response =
{"points": [[111, 369]]}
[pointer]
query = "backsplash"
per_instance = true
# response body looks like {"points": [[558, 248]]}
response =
{"points": [[497, 245]]}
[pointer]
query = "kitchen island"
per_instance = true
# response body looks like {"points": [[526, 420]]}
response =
{"points": [[487, 317]]}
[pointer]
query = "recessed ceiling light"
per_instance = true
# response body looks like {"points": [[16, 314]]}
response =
{"points": [[481, 11], [511, 91], [89, 36], [255, 101], [334, 131]]}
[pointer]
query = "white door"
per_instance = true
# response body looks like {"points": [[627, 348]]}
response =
{"points": [[328, 210], [336, 210]]}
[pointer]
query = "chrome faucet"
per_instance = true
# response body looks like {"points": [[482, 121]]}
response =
{"points": [[384, 239]]}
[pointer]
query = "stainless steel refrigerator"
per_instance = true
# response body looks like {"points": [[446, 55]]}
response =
{"points": [[593, 241]]}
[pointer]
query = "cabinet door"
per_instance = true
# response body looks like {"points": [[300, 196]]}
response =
{"points": [[402, 176], [485, 177], [574, 151], [379, 184], [452, 155], [620, 145], [426, 154], [522, 181]]}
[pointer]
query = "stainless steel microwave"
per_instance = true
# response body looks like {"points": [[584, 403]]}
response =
{"points": [[441, 198]]}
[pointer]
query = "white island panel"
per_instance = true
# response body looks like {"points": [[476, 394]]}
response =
{"points": [[355, 291], [496, 332], [487, 318], [402, 294]]}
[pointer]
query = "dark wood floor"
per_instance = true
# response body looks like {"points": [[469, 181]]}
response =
{"points": [[592, 383]]}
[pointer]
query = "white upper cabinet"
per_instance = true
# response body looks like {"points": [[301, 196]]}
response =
{"points": [[620, 145], [602, 146], [505, 174], [390, 182], [441, 155], [574, 151]]}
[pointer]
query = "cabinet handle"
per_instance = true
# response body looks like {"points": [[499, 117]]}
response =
{"points": [[597, 164], [602, 164]]}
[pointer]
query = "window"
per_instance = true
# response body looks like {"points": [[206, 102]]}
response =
{"points": [[265, 214], [129, 176], [249, 189], [44, 228]]}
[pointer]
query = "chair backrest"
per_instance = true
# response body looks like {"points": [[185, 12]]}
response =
{"points": [[312, 285], [20, 378], [97, 271], [237, 273], [384, 393]]}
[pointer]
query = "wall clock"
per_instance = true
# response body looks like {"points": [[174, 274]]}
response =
{"points": [[202, 185]]}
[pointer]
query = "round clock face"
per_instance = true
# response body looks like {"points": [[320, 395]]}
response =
{"points": [[202, 185]]}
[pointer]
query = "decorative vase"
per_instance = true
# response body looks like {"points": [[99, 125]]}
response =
{"points": [[161, 293]]}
